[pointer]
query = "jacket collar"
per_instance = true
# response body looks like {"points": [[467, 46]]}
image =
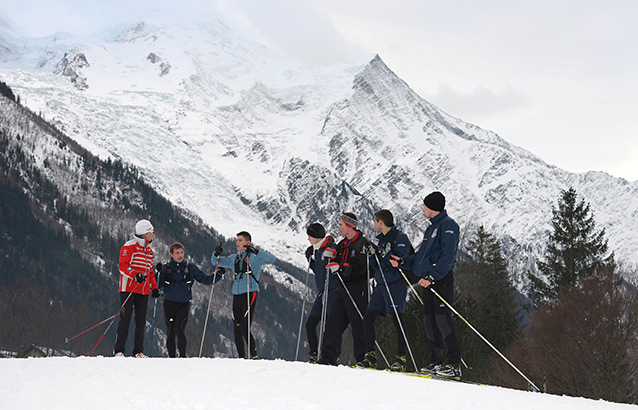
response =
{"points": [[390, 233], [440, 216]]}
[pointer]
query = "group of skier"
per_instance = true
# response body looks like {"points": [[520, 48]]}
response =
{"points": [[342, 275]]}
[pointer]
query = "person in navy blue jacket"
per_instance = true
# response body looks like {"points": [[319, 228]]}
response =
{"points": [[247, 264], [391, 241], [434, 264], [319, 242], [175, 282]]}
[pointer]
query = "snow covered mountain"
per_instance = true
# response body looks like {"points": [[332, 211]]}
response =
{"points": [[250, 141]]}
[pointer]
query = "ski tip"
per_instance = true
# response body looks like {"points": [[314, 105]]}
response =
{"points": [[66, 340]]}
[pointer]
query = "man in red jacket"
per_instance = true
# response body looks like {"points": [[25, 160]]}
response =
{"points": [[137, 279]]}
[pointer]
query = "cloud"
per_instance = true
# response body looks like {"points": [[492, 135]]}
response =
{"points": [[292, 28], [481, 102]]}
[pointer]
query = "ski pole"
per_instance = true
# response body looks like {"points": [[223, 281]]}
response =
{"points": [[394, 306], [210, 298], [303, 307], [248, 300], [324, 311], [422, 304], [67, 340], [153, 325], [361, 316], [410, 286], [113, 320], [484, 339]]}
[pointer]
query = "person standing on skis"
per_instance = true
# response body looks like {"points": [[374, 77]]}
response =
{"points": [[175, 282], [433, 264], [391, 242], [137, 280], [247, 264], [350, 299], [319, 242]]}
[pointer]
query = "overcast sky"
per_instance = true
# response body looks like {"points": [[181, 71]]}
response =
{"points": [[556, 77]]}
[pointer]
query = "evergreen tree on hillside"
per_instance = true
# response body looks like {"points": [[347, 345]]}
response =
{"points": [[488, 298], [575, 249], [7, 91]]}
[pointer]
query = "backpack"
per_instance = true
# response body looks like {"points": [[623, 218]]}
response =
{"points": [[170, 275], [412, 278]]}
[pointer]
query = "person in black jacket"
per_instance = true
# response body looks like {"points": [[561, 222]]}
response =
{"points": [[433, 264], [390, 292], [349, 263], [175, 282], [326, 284]]}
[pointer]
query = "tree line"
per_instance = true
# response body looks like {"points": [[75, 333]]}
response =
{"points": [[575, 332]]}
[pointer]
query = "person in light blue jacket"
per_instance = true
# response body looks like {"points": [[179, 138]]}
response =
{"points": [[246, 264]]}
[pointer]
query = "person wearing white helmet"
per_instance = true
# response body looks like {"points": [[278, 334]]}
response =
{"points": [[137, 281]]}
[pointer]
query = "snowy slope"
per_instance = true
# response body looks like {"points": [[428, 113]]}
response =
{"points": [[110, 383], [248, 140]]}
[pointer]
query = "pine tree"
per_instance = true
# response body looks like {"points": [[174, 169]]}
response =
{"points": [[575, 250], [489, 300]]}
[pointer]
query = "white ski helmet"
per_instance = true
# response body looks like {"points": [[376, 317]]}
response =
{"points": [[143, 227]]}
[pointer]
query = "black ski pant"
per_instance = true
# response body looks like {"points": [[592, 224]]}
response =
{"points": [[438, 322], [140, 304], [313, 339], [368, 320], [176, 316], [341, 314], [240, 322]]}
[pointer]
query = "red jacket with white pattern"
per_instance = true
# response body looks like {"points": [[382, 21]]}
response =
{"points": [[136, 256]]}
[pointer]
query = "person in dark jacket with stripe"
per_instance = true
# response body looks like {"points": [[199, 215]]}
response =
{"points": [[350, 265], [391, 242], [434, 265], [319, 242], [175, 282]]}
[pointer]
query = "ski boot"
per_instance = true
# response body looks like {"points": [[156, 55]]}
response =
{"points": [[369, 361], [313, 358], [451, 371], [432, 368], [398, 365]]}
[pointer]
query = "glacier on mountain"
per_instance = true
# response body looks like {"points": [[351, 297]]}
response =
{"points": [[248, 140]]}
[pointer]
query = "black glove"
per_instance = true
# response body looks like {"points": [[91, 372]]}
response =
{"points": [[218, 250], [155, 293], [370, 248], [140, 278], [309, 252], [220, 271], [250, 249], [158, 267]]}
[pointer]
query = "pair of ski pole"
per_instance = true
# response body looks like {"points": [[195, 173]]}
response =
{"points": [[471, 327], [324, 307]]}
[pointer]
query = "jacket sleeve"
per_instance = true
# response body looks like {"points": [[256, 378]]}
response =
{"points": [[224, 261], [401, 249], [262, 258], [161, 278], [445, 261], [201, 277], [151, 276], [124, 266]]}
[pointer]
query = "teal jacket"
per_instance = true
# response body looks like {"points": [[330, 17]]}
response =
{"points": [[253, 264]]}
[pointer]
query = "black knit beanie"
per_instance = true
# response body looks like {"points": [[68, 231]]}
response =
{"points": [[316, 230], [435, 201]]}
